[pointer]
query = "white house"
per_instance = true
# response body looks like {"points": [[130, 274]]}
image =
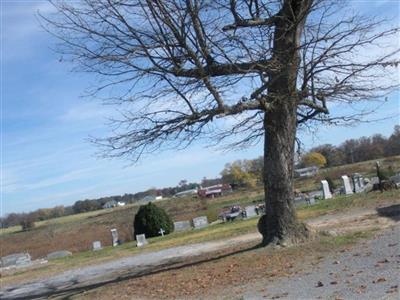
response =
{"points": [[192, 192]]}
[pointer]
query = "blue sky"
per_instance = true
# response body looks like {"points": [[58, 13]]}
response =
{"points": [[46, 159]]}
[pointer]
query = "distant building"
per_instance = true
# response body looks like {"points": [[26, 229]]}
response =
{"points": [[149, 198], [110, 204], [215, 190], [192, 192], [121, 203], [306, 172]]}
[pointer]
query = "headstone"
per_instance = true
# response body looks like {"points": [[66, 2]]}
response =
{"points": [[200, 222], [97, 245], [358, 183], [325, 189], [374, 180], [316, 194], [396, 180], [250, 211], [58, 254], [347, 186], [182, 226], [16, 260], [162, 231], [114, 236], [141, 240]]}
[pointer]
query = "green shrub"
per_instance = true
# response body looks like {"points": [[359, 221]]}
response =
{"points": [[150, 219]]}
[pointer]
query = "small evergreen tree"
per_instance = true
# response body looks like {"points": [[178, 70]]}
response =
{"points": [[150, 219]]}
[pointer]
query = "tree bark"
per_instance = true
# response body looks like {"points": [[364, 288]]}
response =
{"points": [[279, 225]]}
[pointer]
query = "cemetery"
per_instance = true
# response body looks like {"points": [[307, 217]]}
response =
{"points": [[352, 189], [223, 150]]}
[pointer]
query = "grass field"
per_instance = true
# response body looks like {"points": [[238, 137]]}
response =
{"points": [[77, 232]]}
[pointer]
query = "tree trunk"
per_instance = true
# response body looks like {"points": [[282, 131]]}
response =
{"points": [[279, 225]]}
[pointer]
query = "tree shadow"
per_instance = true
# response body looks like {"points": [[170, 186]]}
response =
{"points": [[392, 212], [170, 265]]}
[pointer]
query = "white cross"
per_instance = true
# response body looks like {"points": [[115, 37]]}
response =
{"points": [[161, 232]]}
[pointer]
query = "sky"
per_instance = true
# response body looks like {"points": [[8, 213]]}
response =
{"points": [[46, 159]]}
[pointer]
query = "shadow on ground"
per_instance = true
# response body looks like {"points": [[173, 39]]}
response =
{"points": [[175, 264], [392, 212]]}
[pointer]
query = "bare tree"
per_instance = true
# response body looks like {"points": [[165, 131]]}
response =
{"points": [[235, 72]]}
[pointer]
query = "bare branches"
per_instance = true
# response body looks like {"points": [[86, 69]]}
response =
{"points": [[215, 70], [179, 67]]}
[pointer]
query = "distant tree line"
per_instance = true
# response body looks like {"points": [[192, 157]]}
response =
{"points": [[362, 149], [248, 173], [240, 174], [245, 173], [26, 220]]}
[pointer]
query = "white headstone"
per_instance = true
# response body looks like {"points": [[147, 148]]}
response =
{"points": [[96, 245], [200, 222], [347, 186], [141, 240], [325, 189], [182, 226], [250, 211], [114, 235], [358, 183]]}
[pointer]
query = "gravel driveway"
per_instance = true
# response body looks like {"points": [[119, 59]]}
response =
{"points": [[371, 270]]}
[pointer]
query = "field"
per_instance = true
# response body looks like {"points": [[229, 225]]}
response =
{"points": [[77, 232]]}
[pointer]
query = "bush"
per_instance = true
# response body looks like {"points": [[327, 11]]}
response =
{"points": [[27, 223], [150, 219]]}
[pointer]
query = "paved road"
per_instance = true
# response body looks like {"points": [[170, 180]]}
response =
{"points": [[371, 270]]}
